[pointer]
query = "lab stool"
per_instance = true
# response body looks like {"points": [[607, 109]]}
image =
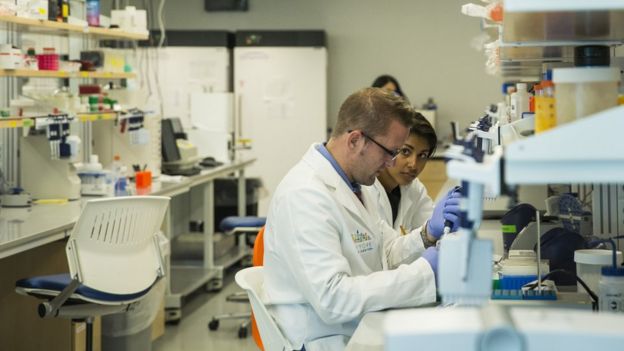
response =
{"points": [[245, 228]]}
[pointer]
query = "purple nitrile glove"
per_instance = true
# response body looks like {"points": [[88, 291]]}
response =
{"points": [[446, 210], [431, 256]]}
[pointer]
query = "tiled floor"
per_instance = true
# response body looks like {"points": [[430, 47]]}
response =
{"points": [[192, 333]]}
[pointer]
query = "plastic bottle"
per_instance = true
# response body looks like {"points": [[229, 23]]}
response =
{"points": [[93, 13], [94, 163], [31, 61], [545, 112], [536, 90], [519, 102], [119, 176], [430, 105], [611, 288], [63, 12], [493, 12]]}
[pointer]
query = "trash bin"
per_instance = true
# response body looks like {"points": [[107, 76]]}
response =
{"points": [[132, 330], [226, 198]]}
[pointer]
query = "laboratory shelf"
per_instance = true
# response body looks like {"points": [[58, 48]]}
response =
{"points": [[24, 73], [16, 122], [51, 27], [563, 20], [89, 117], [232, 256]]}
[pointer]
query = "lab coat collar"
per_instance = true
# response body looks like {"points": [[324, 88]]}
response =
{"points": [[330, 177]]}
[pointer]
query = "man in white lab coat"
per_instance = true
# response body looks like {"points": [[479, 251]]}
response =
{"points": [[329, 257]]}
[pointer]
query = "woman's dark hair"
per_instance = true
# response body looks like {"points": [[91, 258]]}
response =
{"points": [[385, 79], [423, 129]]}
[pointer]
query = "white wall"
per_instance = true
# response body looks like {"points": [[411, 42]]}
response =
{"points": [[425, 44]]}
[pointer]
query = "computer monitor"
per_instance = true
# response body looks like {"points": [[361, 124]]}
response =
{"points": [[169, 147], [178, 130]]}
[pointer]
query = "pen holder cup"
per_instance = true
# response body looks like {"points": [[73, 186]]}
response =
{"points": [[143, 179]]}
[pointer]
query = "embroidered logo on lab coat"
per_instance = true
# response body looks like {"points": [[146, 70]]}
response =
{"points": [[363, 242]]}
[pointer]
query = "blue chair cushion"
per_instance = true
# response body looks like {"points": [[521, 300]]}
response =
{"points": [[58, 282], [231, 222]]}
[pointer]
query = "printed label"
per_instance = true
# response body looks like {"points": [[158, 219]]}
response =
{"points": [[363, 241]]}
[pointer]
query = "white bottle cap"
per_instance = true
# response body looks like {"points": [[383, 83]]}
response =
{"points": [[596, 257]]}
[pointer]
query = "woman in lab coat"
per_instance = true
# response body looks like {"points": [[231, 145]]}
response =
{"points": [[402, 198]]}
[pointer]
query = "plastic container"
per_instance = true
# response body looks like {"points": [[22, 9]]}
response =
{"points": [[143, 179], [30, 60], [492, 12], [119, 176], [48, 61], [6, 57], [519, 102], [589, 263], [93, 13], [515, 282], [611, 289], [545, 111], [583, 91]]}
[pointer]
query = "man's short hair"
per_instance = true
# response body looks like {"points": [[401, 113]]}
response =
{"points": [[371, 110]]}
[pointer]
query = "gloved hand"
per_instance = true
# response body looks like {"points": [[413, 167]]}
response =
{"points": [[446, 209], [431, 256]]}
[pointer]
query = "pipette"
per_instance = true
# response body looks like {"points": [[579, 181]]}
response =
{"points": [[448, 225]]}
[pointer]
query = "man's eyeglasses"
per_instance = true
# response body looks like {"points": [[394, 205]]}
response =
{"points": [[393, 153]]}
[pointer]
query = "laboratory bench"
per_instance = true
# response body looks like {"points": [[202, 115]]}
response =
{"points": [[368, 335], [32, 243]]}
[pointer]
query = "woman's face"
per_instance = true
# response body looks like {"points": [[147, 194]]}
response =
{"points": [[411, 160], [390, 87]]}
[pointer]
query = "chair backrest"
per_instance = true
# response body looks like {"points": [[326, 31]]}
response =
{"points": [[257, 259], [252, 280], [113, 246]]}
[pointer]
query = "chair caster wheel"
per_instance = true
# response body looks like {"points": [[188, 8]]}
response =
{"points": [[213, 324], [242, 332]]}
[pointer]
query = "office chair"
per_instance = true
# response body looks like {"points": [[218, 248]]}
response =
{"points": [[252, 281], [247, 226], [114, 260]]}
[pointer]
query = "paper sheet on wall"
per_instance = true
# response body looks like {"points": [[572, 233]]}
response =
{"points": [[280, 108], [278, 98], [184, 71]]}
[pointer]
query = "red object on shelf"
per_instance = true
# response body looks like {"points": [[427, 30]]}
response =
{"points": [[48, 61], [89, 89], [143, 179]]}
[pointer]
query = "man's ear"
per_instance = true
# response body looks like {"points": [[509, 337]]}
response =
{"points": [[352, 139]]}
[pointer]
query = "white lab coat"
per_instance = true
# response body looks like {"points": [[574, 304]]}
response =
{"points": [[326, 261], [415, 206]]}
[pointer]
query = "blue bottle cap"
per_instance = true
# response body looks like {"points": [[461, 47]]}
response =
{"points": [[505, 85], [610, 271]]}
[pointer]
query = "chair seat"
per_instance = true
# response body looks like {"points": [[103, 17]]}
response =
{"points": [[231, 222], [52, 285]]}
